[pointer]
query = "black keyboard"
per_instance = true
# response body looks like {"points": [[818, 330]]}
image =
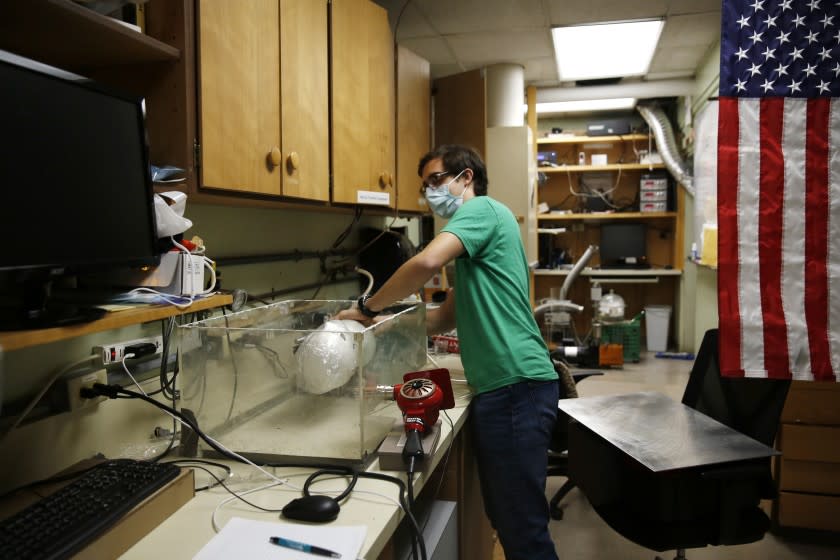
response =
{"points": [[62, 523]]}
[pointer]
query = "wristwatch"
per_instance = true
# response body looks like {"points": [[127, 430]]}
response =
{"points": [[363, 308]]}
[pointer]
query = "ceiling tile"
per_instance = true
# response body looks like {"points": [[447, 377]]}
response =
{"points": [[459, 35], [562, 12], [468, 16], [693, 6], [499, 47], [695, 30], [541, 70], [433, 49], [676, 59]]}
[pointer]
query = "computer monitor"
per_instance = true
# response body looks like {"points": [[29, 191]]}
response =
{"points": [[546, 158], [77, 190], [384, 252], [623, 245]]}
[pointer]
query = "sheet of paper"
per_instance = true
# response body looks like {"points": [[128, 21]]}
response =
{"points": [[246, 538]]}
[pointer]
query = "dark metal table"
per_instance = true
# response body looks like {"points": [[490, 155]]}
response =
{"points": [[662, 434], [664, 475]]}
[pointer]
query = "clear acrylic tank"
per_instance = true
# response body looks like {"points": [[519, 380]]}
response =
{"points": [[287, 382]]}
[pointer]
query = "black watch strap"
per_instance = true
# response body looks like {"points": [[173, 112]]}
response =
{"points": [[363, 308]]}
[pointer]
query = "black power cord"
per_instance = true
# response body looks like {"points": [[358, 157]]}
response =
{"points": [[116, 391], [412, 453]]}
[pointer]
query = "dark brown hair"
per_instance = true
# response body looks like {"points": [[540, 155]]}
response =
{"points": [[456, 158]]}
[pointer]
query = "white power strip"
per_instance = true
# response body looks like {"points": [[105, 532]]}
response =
{"points": [[114, 353]]}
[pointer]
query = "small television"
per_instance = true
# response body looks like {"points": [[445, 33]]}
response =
{"points": [[623, 245], [77, 189]]}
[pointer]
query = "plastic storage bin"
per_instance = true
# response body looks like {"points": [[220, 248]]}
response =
{"points": [[284, 382], [657, 319], [626, 333]]}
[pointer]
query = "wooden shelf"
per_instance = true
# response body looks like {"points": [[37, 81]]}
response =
{"points": [[593, 139], [67, 35], [607, 167], [17, 340], [603, 216], [611, 272]]}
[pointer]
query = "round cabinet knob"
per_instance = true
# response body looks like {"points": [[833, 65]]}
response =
{"points": [[385, 180], [275, 156], [292, 162]]}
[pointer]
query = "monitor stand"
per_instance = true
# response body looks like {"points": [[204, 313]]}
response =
{"points": [[32, 307]]}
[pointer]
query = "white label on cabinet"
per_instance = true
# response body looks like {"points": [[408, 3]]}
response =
{"points": [[373, 197]]}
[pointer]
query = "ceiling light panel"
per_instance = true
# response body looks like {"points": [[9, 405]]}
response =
{"points": [[554, 107], [605, 50]]}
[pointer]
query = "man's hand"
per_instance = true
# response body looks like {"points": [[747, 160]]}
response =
{"points": [[354, 314]]}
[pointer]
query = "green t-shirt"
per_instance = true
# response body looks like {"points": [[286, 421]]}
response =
{"points": [[499, 338]]}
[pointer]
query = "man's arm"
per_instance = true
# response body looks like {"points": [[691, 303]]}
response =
{"points": [[412, 275]]}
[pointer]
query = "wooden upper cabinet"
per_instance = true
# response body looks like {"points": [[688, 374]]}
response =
{"points": [[363, 111], [461, 110], [413, 126], [263, 97]]}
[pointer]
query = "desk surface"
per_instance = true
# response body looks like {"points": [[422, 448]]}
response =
{"points": [[373, 503], [662, 434]]}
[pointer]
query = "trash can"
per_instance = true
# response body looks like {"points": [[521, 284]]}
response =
{"points": [[657, 318]]}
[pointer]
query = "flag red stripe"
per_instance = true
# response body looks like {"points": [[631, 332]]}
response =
{"points": [[770, 220], [816, 237], [728, 307]]}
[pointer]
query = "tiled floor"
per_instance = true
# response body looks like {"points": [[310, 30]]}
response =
{"points": [[582, 535]]}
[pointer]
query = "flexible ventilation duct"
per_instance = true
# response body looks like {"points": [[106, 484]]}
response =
{"points": [[667, 145]]}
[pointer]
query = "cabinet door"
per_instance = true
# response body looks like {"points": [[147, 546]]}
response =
{"points": [[239, 75], [304, 99], [362, 55], [253, 56], [413, 126]]}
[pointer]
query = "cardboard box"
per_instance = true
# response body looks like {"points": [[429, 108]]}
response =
{"points": [[809, 511], [810, 443], [809, 476], [811, 402], [599, 159]]}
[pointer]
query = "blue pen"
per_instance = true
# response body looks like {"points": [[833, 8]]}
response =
{"points": [[303, 547]]}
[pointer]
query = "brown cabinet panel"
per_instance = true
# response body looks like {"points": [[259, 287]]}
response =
{"points": [[461, 110], [263, 97], [363, 111], [413, 126], [239, 94], [304, 99], [807, 471]]}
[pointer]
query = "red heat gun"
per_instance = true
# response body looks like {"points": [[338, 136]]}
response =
{"points": [[421, 396]]}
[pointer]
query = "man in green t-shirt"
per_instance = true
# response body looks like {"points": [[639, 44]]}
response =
{"points": [[506, 362]]}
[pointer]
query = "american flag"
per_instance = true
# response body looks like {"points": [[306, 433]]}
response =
{"points": [[779, 189]]}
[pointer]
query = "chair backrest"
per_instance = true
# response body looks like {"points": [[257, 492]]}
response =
{"points": [[752, 406]]}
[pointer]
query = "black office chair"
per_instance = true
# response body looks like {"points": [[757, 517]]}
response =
{"points": [[558, 457], [718, 505]]}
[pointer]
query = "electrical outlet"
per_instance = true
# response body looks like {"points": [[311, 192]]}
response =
{"points": [[76, 384], [115, 352]]}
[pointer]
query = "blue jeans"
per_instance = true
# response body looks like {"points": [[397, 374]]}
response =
{"points": [[511, 428]]}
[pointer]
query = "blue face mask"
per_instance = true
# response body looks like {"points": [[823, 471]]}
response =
{"points": [[442, 202]]}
